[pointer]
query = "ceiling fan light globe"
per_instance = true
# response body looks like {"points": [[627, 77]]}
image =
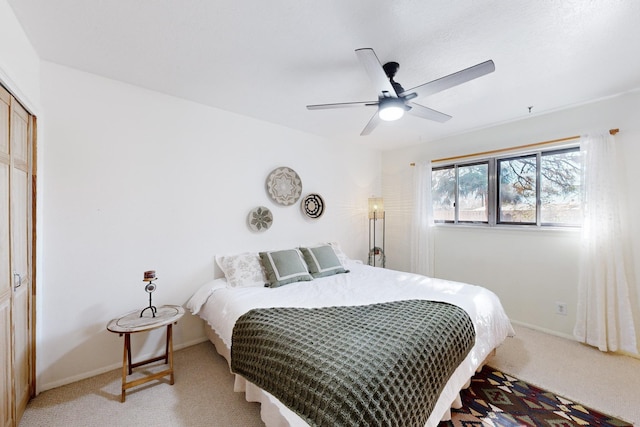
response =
{"points": [[390, 113]]}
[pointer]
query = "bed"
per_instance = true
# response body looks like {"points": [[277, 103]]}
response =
{"points": [[324, 279]]}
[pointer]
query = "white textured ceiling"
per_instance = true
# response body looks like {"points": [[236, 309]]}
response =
{"points": [[269, 59]]}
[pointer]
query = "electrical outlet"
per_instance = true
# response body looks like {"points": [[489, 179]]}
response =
{"points": [[561, 308]]}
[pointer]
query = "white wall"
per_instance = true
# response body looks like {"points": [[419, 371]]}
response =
{"points": [[135, 180], [529, 269], [19, 62]]}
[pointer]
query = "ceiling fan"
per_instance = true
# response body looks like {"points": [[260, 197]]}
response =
{"points": [[393, 100]]}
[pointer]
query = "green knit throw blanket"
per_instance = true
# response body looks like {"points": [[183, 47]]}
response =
{"points": [[374, 365]]}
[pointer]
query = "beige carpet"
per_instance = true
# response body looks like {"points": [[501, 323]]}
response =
{"points": [[203, 391], [608, 383], [202, 395]]}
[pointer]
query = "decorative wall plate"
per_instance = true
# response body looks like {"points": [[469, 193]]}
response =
{"points": [[284, 186], [260, 219], [313, 205]]}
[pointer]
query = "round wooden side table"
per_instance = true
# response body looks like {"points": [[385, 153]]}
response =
{"points": [[132, 322]]}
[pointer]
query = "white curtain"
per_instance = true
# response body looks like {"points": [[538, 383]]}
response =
{"points": [[422, 221], [604, 313]]}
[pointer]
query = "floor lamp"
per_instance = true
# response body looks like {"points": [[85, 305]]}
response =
{"points": [[376, 213]]}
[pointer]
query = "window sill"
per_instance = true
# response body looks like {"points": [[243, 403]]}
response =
{"points": [[508, 227]]}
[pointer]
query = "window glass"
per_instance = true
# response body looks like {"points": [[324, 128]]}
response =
{"points": [[443, 187], [473, 192], [517, 190], [560, 192]]}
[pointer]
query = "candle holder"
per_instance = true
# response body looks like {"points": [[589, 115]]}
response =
{"points": [[149, 277]]}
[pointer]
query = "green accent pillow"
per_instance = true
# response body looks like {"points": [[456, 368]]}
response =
{"points": [[322, 261], [284, 267]]}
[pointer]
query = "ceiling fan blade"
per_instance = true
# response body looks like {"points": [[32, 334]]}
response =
{"points": [[373, 122], [454, 79], [342, 105], [427, 113], [372, 65]]}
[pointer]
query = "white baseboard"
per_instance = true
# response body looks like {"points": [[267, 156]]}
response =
{"points": [[546, 331], [566, 336], [83, 376]]}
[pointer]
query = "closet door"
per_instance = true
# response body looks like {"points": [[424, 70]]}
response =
{"points": [[16, 307], [6, 346], [21, 254]]}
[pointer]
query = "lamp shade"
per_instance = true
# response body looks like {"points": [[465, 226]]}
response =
{"points": [[391, 109], [376, 207]]}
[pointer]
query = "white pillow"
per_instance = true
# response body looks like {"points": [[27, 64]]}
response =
{"points": [[344, 260], [242, 270], [201, 296]]}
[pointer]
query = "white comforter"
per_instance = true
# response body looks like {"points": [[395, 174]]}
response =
{"points": [[368, 285]]}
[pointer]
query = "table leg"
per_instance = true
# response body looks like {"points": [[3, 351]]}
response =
{"points": [[128, 344], [166, 347], [170, 350], [126, 357]]}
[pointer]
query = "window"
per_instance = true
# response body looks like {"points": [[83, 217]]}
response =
{"points": [[535, 189], [473, 190], [517, 196], [461, 191], [443, 193], [560, 187]]}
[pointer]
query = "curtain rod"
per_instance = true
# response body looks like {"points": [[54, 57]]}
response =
{"points": [[519, 147]]}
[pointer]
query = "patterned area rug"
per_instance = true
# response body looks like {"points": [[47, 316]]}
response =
{"points": [[497, 399]]}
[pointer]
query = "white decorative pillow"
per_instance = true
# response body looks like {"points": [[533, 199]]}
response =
{"points": [[201, 296], [344, 259], [242, 270], [284, 267], [322, 261]]}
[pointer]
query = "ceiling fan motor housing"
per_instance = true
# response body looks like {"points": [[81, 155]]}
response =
{"points": [[390, 69]]}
